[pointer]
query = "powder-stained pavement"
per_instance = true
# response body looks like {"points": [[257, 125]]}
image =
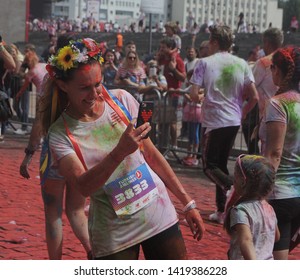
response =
{"points": [[22, 235]]}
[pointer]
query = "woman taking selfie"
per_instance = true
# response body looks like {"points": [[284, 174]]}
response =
{"points": [[98, 150]]}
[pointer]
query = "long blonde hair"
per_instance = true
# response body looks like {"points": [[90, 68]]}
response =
{"points": [[137, 60], [47, 103], [31, 59]]}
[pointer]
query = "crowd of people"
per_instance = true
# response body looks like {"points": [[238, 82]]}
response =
{"points": [[88, 97], [58, 26]]}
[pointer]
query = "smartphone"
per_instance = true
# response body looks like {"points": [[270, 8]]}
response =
{"points": [[145, 114], [152, 71]]}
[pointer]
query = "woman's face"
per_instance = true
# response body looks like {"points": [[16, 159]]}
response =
{"points": [[84, 88], [276, 74], [131, 59]]}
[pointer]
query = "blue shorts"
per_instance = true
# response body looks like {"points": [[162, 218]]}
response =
{"points": [[53, 172]]}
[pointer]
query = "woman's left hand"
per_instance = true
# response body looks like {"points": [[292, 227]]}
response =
{"points": [[196, 223]]}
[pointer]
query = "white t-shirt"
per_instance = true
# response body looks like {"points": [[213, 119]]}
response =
{"points": [[261, 219], [224, 77], [264, 81], [110, 233], [285, 108], [266, 89], [190, 65]]}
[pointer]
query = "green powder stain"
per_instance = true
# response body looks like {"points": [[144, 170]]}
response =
{"points": [[227, 80], [107, 134], [293, 114]]}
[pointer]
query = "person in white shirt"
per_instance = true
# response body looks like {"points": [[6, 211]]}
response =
{"points": [[272, 41], [225, 78]]}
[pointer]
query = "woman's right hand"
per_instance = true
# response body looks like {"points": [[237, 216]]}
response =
{"points": [[131, 139]]}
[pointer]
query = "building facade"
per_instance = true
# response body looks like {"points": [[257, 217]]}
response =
{"points": [[109, 10], [120, 11], [13, 17], [260, 13]]}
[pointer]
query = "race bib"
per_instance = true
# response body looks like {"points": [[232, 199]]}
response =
{"points": [[132, 192]]}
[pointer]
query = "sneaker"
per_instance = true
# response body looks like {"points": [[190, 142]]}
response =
{"points": [[20, 131], [195, 162], [9, 129], [173, 147], [217, 217], [187, 161]]}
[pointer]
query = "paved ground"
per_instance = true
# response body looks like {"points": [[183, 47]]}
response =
{"points": [[22, 218]]}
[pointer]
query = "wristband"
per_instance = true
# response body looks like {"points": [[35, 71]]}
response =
{"points": [[29, 152], [191, 205]]}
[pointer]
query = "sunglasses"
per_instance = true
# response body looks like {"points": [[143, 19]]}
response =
{"points": [[131, 57], [238, 160]]}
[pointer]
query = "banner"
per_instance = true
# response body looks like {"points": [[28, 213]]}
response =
{"points": [[153, 6], [148, 270]]}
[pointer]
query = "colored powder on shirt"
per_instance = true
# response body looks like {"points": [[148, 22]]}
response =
{"points": [[294, 115], [226, 80], [106, 134]]}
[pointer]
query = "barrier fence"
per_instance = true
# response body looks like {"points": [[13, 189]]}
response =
{"points": [[173, 127]]}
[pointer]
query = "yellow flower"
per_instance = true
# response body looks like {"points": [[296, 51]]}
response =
{"points": [[65, 58]]}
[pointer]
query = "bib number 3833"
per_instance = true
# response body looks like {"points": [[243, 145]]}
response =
{"points": [[132, 192]]}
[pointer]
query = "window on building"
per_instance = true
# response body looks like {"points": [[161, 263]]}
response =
{"points": [[124, 13]]}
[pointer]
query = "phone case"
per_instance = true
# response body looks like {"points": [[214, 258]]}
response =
{"points": [[145, 113]]}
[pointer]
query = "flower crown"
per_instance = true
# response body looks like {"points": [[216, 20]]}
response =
{"points": [[72, 55]]}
